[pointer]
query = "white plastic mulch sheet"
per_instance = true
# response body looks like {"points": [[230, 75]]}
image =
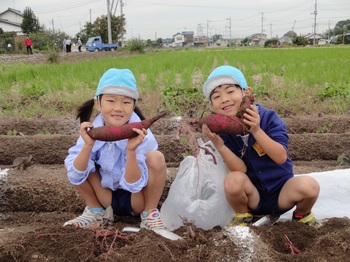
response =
{"points": [[334, 197]]}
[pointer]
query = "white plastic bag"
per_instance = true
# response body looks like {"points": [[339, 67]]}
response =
{"points": [[197, 192]]}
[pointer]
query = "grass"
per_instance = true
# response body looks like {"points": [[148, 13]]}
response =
{"points": [[291, 81]]}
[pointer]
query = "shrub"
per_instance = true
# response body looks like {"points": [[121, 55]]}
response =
{"points": [[300, 40], [273, 42], [136, 45]]}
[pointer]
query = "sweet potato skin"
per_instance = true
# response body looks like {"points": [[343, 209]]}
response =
{"points": [[221, 124], [111, 133]]}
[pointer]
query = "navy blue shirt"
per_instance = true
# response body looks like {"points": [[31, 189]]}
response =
{"points": [[264, 173]]}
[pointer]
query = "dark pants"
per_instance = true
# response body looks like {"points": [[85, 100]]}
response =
{"points": [[79, 48], [29, 50], [68, 48]]}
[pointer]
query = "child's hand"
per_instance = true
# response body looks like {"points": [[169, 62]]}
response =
{"points": [[252, 119], [83, 132], [134, 142], [214, 138]]}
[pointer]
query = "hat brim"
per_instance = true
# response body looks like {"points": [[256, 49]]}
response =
{"points": [[119, 90], [213, 83]]}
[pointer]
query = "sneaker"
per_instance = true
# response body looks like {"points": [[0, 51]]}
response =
{"points": [[108, 217], [151, 220], [241, 219], [87, 219], [308, 219]]}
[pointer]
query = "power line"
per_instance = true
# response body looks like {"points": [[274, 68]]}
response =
{"points": [[66, 7]]}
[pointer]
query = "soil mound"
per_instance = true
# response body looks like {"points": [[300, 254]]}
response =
{"points": [[36, 199]]}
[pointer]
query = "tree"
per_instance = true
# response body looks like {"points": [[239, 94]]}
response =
{"points": [[300, 40], [273, 42], [100, 27], [245, 41], [291, 34], [30, 24], [159, 42], [340, 28], [149, 43]]}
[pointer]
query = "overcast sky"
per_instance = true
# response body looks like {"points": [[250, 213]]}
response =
{"points": [[151, 19]]}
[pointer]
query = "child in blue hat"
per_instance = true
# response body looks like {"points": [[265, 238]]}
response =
{"points": [[125, 177], [261, 179]]}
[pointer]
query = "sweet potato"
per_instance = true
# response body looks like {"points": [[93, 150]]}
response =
{"points": [[221, 124], [246, 102], [111, 133]]}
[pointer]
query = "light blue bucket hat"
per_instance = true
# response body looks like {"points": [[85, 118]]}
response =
{"points": [[223, 75], [118, 82]]}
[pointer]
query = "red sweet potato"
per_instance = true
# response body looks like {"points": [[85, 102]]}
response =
{"points": [[221, 124], [111, 133], [246, 102]]}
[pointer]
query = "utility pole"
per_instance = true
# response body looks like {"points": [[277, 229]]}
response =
{"points": [[207, 32], [262, 24], [315, 13], [90, 17], [229, 19], [200, 32], [294, 25], [109, 27], [121, 18], [53, 26]]}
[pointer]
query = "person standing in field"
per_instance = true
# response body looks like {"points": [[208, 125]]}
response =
{"points": [[260, 179], [68, 44], [28, 44], [124, 177], [79, 43]]}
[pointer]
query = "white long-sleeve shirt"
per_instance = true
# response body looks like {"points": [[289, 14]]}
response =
{"points": [[111, 159]]}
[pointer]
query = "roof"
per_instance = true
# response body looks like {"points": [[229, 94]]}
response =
{"points": [[13, 11], [167, 40], [187, 33], [311, 36]]}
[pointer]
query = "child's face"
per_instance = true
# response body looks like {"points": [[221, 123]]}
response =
{"points": [[116, 109], [226, 99]]}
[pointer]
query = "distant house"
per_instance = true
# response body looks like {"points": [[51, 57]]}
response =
{"points": [[310, 38], [185, 38], [257, 39], [222, 42], [188, 35], [179, 40], [167, 42], [10, 21], [200, 41]]}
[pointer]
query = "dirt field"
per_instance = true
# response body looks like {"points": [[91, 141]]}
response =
{"points": [[36, 199]]}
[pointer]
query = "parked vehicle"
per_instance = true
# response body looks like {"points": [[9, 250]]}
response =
{"points": [[95, 44], [322, 42]]}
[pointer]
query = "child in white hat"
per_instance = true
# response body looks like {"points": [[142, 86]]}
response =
{"points": [[261, 179], [125, 177]]}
